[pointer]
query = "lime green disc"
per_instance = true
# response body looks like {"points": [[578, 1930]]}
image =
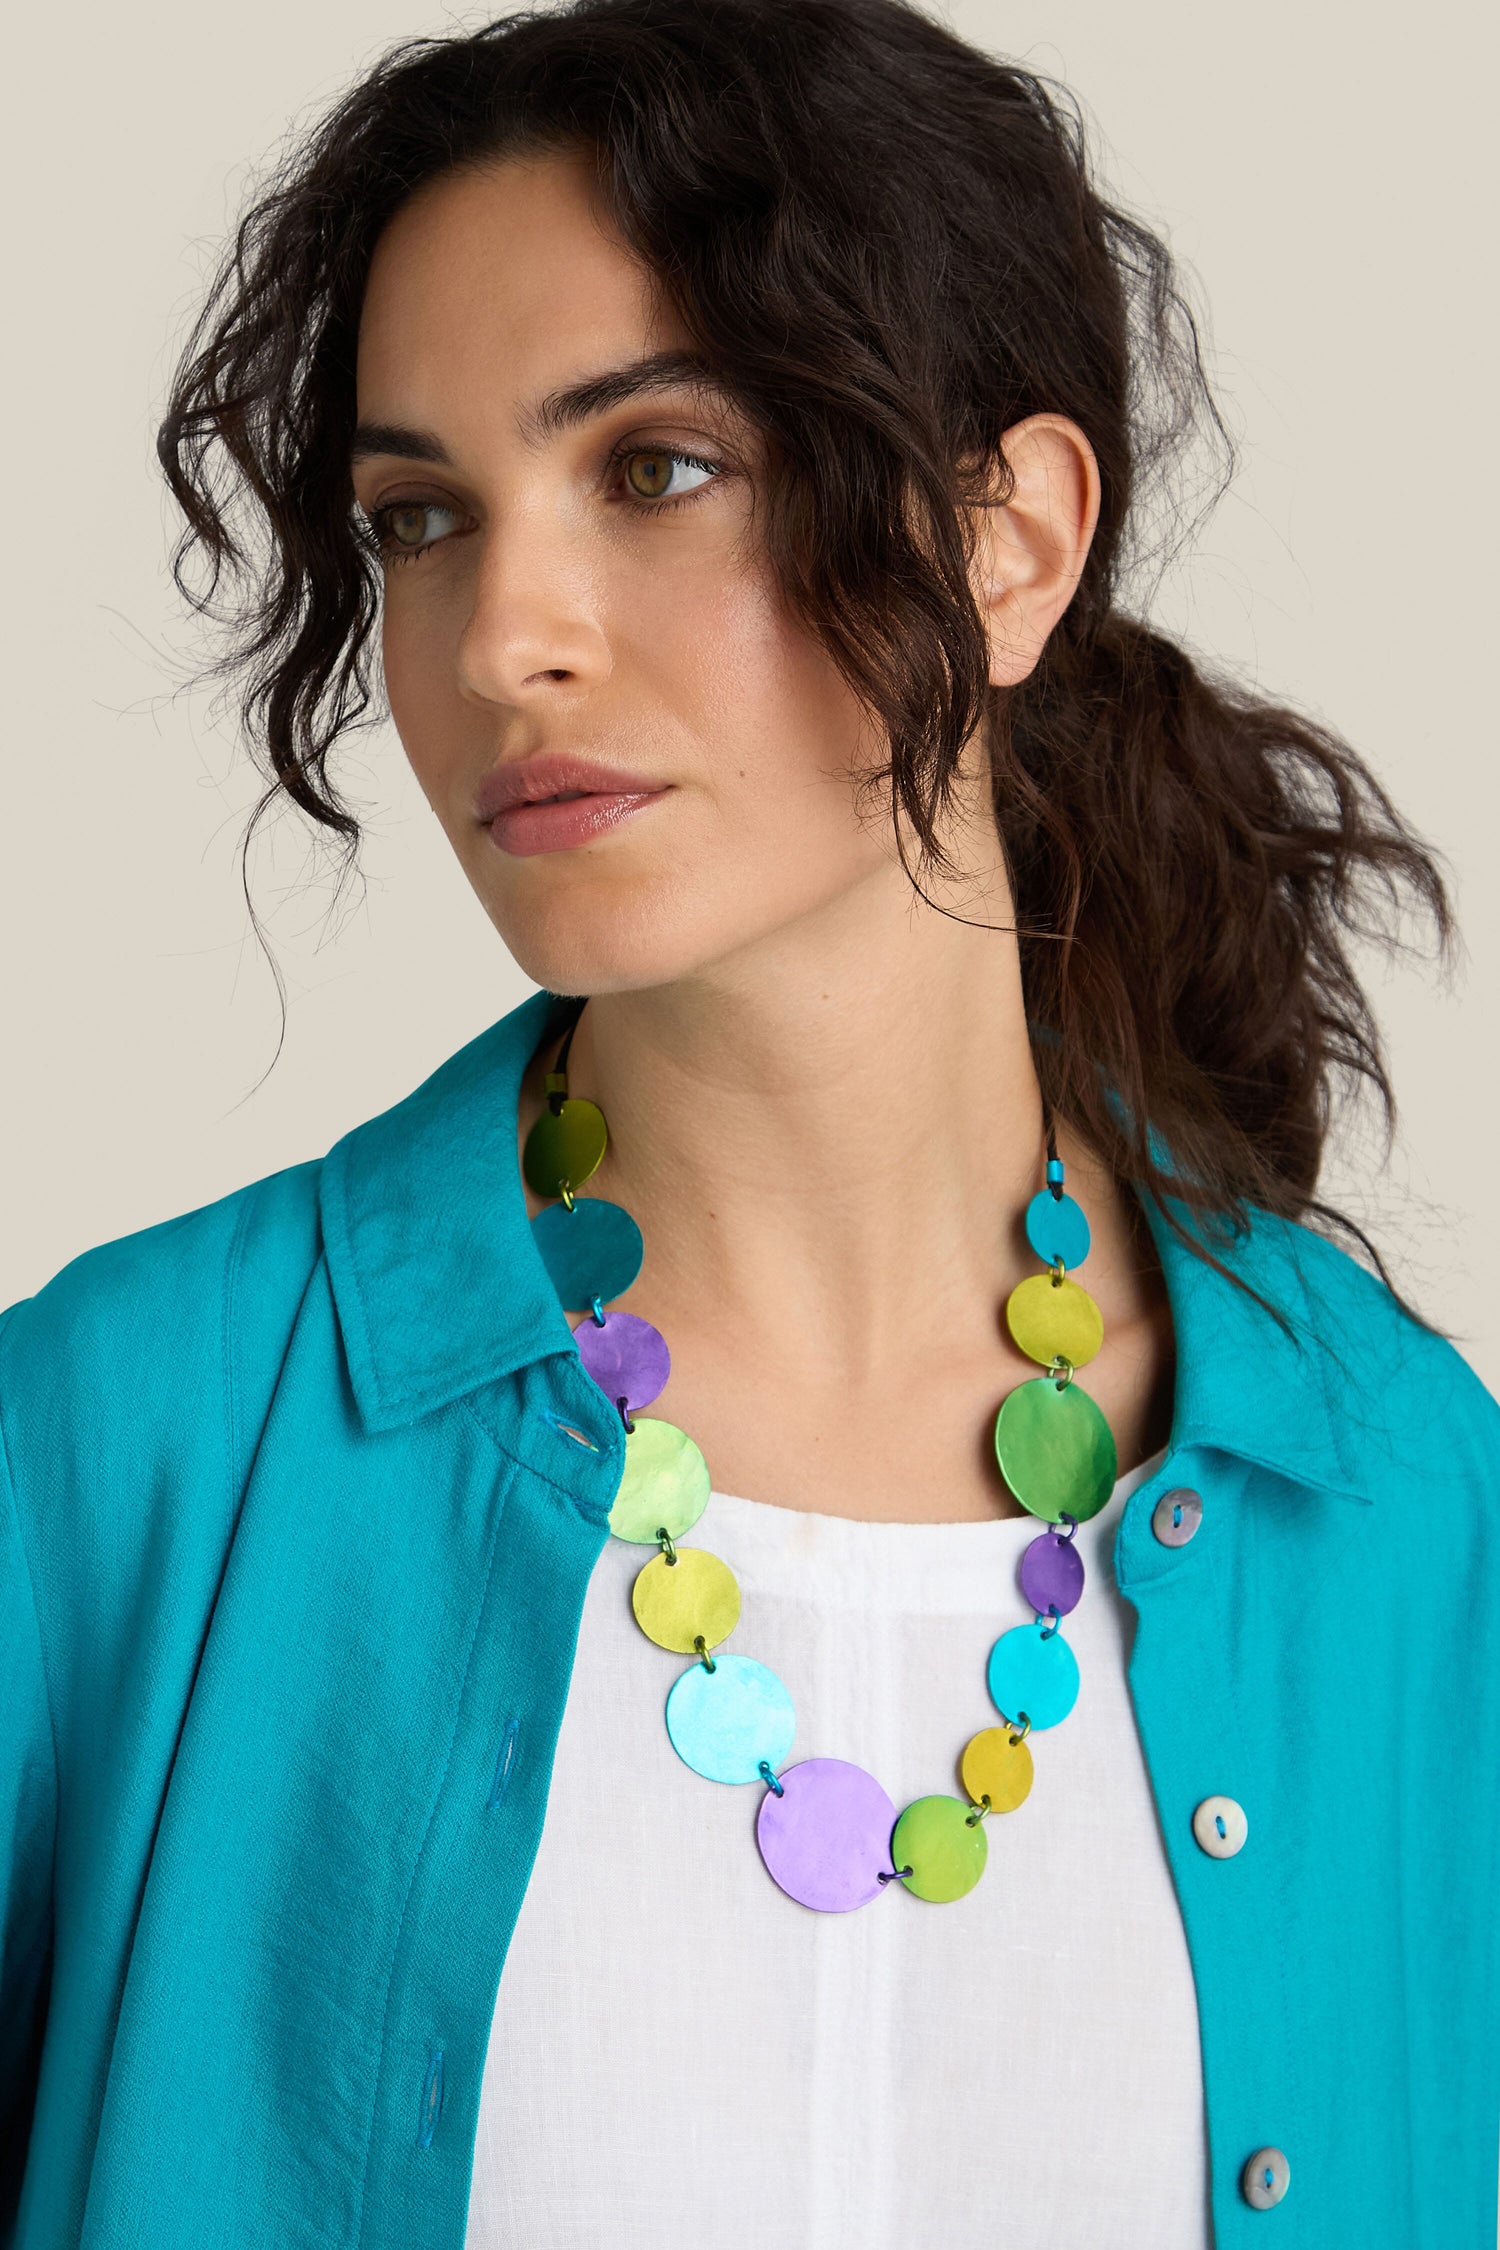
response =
{"points": [[1056, 1450], [946, 1856], [665, 1484], [676, 1601], [997, 1764], [1054, 1320], [565, 1147]]}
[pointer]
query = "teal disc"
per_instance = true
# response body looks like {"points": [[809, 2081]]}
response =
{"points": [[1057, 1229], [724, 1722], [567, 1146], [1056, 1450], [934, 1839], [594, 1250], [1033, 1678], [664, 1485]]}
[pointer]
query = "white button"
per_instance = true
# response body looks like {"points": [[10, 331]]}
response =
{"points": [[1177, 1516], [1220, 1826], [1265, 2179]]}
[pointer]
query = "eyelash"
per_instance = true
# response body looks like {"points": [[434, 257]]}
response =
{"points": [[389, 552]]}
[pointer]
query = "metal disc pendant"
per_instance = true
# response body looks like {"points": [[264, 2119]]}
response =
{"points": [[1057, 1229], [945, 1854], [1052, 1574], [1056, 1450], [675, 1602], [724, 1722], [664, 1486], [827, 1838], [1054, 1319], [594, 1250], [997, 1764], [565, 1147], [1031, 1677], [626, 1356]]}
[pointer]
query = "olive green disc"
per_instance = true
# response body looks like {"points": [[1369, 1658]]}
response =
{"points": [[946, 1856], [997, 1764], [676, 1601], [1054, 1319], [665, 1483], [1056, 1450], [565, 1147]]}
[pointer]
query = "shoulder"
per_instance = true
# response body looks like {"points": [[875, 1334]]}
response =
{"points": [[142, 1332], [1383, 1369]]}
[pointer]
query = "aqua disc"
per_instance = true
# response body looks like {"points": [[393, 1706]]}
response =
{"points": [[946, 1855], [827, 1838], [1057, 1229], [694, 1594], [1032, 1677], [724, 1722], [664, 1485], [567, 1146], [1056, 1450], [594, 1250]]}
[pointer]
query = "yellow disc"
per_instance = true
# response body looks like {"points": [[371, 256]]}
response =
{"points": [[1054, 1319], [676, 1601], [997, 1764], [664, 1486]]}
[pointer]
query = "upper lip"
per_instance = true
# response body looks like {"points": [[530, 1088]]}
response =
{"points": [[544, 776]]}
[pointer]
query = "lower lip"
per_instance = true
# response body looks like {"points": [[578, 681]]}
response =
{"points": [[527, 829]]}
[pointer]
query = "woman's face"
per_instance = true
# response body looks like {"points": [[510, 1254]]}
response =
{"points": [[590, 582]]}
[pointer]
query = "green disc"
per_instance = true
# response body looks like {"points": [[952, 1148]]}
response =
{"points": [[676, 1601], [946, 1856], [665, 1483], [1056, 1450], [1051, 1319], [565, 1147]]}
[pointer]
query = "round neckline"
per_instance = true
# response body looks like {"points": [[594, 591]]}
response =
{"points": [[851, 1561]]}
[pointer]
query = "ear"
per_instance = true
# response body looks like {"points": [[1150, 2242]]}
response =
{"points": [[1030, 549]]}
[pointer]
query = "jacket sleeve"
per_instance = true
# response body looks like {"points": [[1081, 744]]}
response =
{"points": [[28, 1821]]}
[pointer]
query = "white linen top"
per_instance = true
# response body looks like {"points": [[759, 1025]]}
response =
{"points": [[686, 2057]]}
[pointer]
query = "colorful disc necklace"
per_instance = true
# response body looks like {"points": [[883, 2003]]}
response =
{"points": [[827, 1831]]}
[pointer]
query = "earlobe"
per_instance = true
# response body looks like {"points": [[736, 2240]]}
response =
{"points": [[1030, 550]]}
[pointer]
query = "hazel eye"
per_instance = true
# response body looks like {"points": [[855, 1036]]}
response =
{"points": [[397, 529], [649, 471]]}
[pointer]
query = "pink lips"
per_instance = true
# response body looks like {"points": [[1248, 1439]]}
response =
{"points": [[511, 801]]}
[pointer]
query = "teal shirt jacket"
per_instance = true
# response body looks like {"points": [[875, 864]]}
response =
{"points": [[300, 1495]]}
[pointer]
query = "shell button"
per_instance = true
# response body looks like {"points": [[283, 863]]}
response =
{"points": [[1220, 1826], [1177, 1516], [1265, 2178]]}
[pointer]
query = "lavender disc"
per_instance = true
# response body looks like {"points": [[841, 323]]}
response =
{"points": [[1052, 1574], [627, 1357], [827, 1839]]}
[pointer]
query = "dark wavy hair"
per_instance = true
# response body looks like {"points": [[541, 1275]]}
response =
{"points": [[889, 247]]}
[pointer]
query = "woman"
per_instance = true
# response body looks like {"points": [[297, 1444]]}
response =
{"points": [[740, 421]]}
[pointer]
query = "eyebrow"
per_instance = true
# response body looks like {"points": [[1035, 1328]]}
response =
{"points": [[562, 409]]}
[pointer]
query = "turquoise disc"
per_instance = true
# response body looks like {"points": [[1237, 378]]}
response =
{"points": [[1033, 1676], [1056, 1450], [1056, 1228], [723, 1722], [594, 1250]]}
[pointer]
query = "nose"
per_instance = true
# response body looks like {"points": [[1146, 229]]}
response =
{"points": [[535, 628]]}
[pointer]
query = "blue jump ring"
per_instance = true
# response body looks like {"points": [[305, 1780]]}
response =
{"points": [[766, 1775]]}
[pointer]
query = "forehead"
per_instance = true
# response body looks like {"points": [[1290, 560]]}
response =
{"points": [[495, 280]]}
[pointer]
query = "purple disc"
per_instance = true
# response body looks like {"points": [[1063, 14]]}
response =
{"points": [[827, 1838], [1052, 1574], [627, 1357]]}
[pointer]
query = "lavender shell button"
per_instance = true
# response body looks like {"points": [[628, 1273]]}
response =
{"points": [[827, 1838], [627, 1357], [1052, 1574]]}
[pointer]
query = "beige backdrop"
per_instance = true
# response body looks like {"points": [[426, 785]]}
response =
{"points": [[1323, 182]]}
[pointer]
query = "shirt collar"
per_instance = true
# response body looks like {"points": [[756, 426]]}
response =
{"points": [[439, 1286]]}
